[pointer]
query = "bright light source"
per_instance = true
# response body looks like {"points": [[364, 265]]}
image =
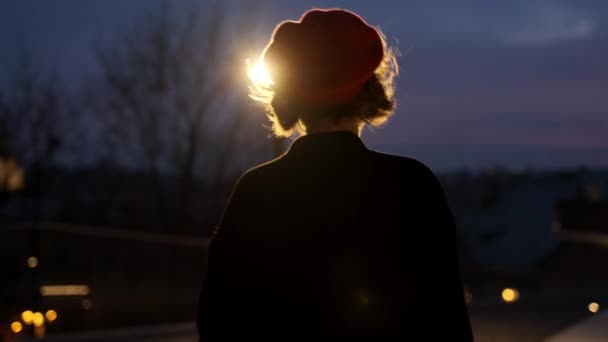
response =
{"points": [[593, 307], [64, 290], [32, 262], [51, 315], [27, 317], [38, 319], [510, 295], [258, 74], [11, 175], [15, 180], [16, 327]]}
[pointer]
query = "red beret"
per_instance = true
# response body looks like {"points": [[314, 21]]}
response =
{"points": [[324, 58]]}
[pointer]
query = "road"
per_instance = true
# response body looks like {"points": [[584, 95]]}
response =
{"points": [[563, 322]]}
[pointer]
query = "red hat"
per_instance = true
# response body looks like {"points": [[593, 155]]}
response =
{"points": [[324, 58]]}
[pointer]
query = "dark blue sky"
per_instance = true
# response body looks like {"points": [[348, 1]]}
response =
{"points": [[522, 83]]}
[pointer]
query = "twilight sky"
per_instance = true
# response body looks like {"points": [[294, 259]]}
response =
{"points": [[521, 83]]}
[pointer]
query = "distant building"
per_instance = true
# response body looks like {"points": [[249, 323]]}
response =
{"points": [[509, 221]]}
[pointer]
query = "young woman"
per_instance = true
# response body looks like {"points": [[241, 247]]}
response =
{"points": [[332, 238]]}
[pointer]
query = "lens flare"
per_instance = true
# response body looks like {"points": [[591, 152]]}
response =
{"points": [[510, 295], [16, 327], [32, 262], [258, 74], [38, 319], [27, 317], [51, 315], [593, 307]]}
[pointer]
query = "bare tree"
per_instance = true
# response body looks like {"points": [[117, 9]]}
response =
{"points": [[166, 101], [32, 109]]}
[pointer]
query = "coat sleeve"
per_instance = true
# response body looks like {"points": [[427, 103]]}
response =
{"points": [[443, 306], [213, 308]]}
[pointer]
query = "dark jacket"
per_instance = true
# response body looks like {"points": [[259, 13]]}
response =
{"points": [[335, 239]]}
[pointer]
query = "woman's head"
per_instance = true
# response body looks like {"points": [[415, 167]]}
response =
{"points": [[328, 67]]}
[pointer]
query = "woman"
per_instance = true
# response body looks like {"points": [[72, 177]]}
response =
{"points": [[331, 238]]}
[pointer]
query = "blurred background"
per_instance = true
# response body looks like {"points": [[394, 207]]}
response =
{"points": [[123, 126]]}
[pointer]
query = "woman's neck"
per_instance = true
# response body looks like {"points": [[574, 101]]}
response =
{"points": [[349, 125]]}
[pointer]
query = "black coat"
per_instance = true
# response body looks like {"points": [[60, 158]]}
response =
{"points": [[335, 239]]}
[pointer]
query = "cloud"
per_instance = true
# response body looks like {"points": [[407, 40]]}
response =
{"points": [[549, 24]]}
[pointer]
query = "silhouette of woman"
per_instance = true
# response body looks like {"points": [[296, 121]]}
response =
{"points": [[332, 238]]}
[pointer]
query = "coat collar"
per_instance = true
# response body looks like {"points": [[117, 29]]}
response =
{"points": [[327, 143]]}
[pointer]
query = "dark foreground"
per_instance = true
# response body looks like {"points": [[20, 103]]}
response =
{"points": [[491, 323]]}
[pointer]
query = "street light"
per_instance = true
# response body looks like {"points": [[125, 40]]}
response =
{"points": [[11, 175], [32, 262], [16, 327], [51, 315], [510, 295], [593, 307], [27, 317], [38, 319], [258, 74]]}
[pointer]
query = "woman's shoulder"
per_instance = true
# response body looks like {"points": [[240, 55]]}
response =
{"points": [[401, 164], [409, 175], [264, 169], [390, 166], [260, 173]]}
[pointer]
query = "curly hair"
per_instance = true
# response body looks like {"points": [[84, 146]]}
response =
{"points": [[373, 105]]}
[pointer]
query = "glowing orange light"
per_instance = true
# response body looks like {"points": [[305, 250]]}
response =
{"points": [[15, 180], [593, 307], [64, 290], [16, 327], [27, 317], [11, 175], [38, 319], [32, 262], [258, 74], [510, 295], [51, 315]]}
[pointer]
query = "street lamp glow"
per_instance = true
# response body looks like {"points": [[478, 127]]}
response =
{"points": [[32, 262], [16, 180], [38, 319], [64, 290], [16, 327], [510, 295], [258, 74], [11, 175], [27, 317], [51, 315], [593, 307]]}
